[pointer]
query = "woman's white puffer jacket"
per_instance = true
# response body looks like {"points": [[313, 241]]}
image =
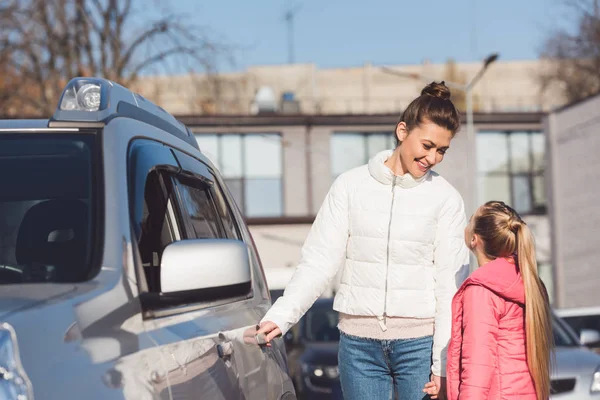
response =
{"points": [[400, 242]]}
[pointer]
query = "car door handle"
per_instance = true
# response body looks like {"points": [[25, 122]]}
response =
{"points": [[225, 350]]}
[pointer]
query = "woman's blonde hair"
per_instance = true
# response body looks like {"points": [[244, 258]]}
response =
{"points": [[504, 234]]}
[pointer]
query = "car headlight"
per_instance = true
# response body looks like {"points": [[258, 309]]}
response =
{"points": [[319, 371], [82, 95], [14, 384]]}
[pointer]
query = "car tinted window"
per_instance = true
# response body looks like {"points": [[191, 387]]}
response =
{"points": [[225, 213], [205, 209], [151, 198], [199, 209], [581, 322], [46, 205], [321, 325], [157, 230], [562, 337], [275, 294]]}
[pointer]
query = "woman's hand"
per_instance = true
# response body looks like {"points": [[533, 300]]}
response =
{"points": [[271, 331]]}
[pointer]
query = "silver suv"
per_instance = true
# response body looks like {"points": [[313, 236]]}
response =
{"points": [[126, 269]]}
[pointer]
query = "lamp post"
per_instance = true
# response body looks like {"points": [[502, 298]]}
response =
{"points": [[468, 90]]}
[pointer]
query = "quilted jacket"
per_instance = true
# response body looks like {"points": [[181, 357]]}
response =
{"points": [[400, 243], [487, 357]]}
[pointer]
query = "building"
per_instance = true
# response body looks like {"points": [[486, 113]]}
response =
{"points": [[507, 86], [280, 167], [573, 144]]}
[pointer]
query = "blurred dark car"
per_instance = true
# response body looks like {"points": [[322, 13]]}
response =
{"points": [[275, 294], [312, 348]]}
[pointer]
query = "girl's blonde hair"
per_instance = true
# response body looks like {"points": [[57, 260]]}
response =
{"points": [[504, 234]]}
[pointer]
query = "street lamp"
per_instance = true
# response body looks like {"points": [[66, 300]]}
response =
{"points": [[468, 89]]}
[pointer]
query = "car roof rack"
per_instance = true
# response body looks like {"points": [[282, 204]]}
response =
{"points": [[96, 101]]}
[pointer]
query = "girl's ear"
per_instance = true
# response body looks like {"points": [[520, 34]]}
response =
{"points": [[475, 241]]}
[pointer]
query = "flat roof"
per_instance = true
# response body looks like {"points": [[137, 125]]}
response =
{"points": [[342, 119]]}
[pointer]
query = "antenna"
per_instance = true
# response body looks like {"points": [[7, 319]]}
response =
{"points": [[289, 18]]}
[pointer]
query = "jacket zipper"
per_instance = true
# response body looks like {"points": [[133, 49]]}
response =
{"points": [[382, 319]]}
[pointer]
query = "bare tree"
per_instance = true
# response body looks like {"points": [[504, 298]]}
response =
{"points": [[573, 56], [44, 43]]}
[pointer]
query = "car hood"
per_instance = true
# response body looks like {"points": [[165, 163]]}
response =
{"points": [[574, 361], [17, 298], [320, 353]]}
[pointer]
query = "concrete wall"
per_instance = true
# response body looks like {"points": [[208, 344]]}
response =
{"points": [[295, 176], [506, 86], [573, 139], [320, 166]]}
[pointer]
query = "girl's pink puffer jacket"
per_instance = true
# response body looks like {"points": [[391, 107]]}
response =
{"points": [[487, 357]]}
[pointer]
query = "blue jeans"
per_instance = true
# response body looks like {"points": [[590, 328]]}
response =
{"points": [[384, 369]]}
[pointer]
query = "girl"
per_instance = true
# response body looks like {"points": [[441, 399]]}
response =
{"points": [[502, 327], [396, 228]]}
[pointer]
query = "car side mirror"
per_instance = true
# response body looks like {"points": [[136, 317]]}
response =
{"points": [[212, 268], [589, 336]]}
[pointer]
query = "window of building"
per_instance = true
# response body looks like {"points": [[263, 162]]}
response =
{"points": [[510, 167], [251, 165], [352, 149]]}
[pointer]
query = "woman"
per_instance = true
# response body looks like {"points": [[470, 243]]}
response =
{"points": [[502, 328], [396, 228]]}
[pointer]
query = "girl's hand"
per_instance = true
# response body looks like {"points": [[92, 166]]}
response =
{"points": [[440, 387], [431, 389]]}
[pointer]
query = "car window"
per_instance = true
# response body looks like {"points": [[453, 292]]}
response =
{"points": [[198, 208], [201, 188], [47, 207], [562, 336], [321, 325], [581, 322], [157, 229], [204, 209], [151, 200], [225, 213], [275, 294]]}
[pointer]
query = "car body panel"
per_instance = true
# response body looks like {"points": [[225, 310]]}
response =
{"points": [[93, 340]]}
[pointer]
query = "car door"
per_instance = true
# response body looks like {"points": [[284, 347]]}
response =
{"points": [[262, 371], [205, 346], [186, 359]]}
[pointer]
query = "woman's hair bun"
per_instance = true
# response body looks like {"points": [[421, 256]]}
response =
{"points": [[435, 89]]}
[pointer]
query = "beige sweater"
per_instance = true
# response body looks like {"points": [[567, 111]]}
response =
{"points": [[396, 327]]}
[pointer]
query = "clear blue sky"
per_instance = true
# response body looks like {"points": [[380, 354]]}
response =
{"points": [[338, 33]]}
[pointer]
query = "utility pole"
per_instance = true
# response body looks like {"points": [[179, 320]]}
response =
{"points": [[289, 18]]}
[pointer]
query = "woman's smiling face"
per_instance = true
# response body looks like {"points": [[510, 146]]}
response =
{"points": [[422, 148]]}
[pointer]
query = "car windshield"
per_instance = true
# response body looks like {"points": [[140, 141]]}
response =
{"points": [[580, 322], [46, 207], [321, 324], [563, 337]]}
